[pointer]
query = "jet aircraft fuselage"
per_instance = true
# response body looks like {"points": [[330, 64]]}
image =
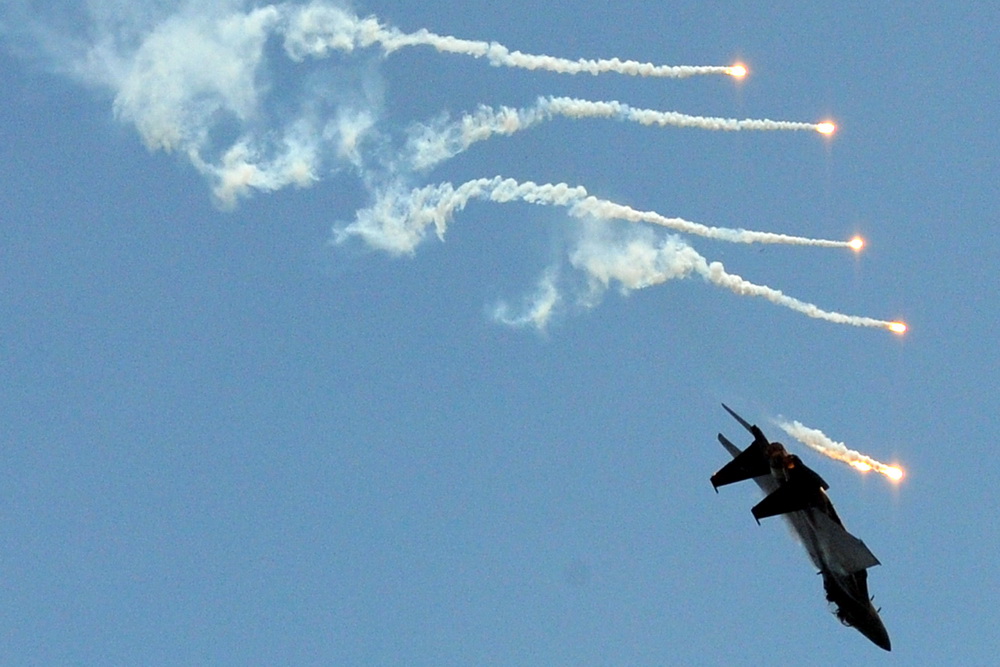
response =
{"points": [[799, 494]]}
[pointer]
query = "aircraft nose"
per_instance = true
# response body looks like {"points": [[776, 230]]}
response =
{"points": [[876, 632], [883, 641]]}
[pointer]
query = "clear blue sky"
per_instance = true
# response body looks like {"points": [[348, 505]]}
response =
{"points": [[228, 440]]}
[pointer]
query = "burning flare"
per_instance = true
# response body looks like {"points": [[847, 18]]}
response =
{"points": [[826, 127], [818, 440], [739, 70], [856, 244], [897, 327]]}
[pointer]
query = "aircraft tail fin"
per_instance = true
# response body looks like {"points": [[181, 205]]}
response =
{"points": [[743, 422], [730, 447]]}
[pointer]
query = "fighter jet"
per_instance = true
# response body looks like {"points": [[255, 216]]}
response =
{"points": [[799, 494]]}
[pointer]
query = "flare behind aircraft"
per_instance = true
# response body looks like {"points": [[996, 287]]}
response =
{"points": [[799, 493]]}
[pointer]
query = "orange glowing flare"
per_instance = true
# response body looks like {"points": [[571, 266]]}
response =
{"points": [[867, 464], [894, 473], [856, 244], [839, 451], [738, 71], [897, 327], [826, 127]]}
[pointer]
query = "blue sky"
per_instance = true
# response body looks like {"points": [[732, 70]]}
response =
{"points": [[230, 439]]}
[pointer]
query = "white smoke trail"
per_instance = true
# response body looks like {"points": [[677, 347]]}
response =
{"points": [[432, 144], [540, 306], [398, 221], [191, 78], [604, 209], [576, 108], [197, 81], [818, 440], [717, 275], [318, 28]]}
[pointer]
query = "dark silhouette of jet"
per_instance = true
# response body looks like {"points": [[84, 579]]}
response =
{"points": [[799, 493]]}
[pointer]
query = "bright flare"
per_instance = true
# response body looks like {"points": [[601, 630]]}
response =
{"points": [[897, 327], [838, 451], [895, 473], [738, 70], [826, 127], [856, 244]]}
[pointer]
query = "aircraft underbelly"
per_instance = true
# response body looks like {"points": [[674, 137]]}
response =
{"points": [[807, 536], [830, 547]]}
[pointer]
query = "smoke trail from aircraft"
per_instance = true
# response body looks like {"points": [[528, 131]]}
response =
{"points": [[397, 220], [201, 83], [717, 275], [575, 108], [430, 145], [818, 440], [316, 29]]}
